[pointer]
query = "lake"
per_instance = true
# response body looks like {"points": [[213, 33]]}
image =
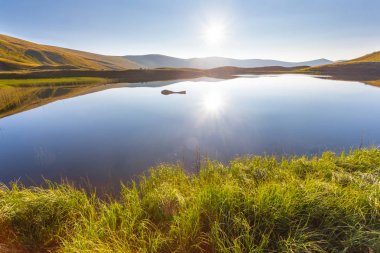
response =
{"points": [[115, 134]]}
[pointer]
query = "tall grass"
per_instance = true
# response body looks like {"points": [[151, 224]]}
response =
{"points": [[329, 203], [30, 82]]}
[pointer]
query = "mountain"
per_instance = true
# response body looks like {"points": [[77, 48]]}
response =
{"points": [[163, 61], [16, 54], [20, 54]]}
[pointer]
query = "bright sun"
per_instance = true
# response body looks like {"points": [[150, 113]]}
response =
{"points": [[214, 33]]}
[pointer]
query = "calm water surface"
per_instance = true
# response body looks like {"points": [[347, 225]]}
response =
{"points": [[114, 134]]}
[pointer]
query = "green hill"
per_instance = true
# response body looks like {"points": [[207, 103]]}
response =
{"points": [[18, 54], [373, 57], [365, 68]]}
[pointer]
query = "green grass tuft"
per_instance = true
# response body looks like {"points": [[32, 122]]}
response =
{"points": [[329, 203]]}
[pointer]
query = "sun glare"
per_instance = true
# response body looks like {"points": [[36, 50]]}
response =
{"points": [[214, 33], [213, 102]]}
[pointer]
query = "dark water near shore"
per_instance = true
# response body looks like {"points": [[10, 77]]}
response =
{"points": [[117, 133]]}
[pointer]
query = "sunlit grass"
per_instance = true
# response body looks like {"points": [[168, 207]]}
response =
{"points": [[373, 57], [375, 83], [51, 81], [17, 54], [329, 203]]}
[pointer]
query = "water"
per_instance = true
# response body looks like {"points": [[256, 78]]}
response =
{"points": [[115, 134]]}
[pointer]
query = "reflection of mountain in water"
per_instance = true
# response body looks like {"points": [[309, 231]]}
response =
{"points": [[18, 99], [166, 83]]}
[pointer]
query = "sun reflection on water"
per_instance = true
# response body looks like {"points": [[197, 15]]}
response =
{"points": [[213, 103]]}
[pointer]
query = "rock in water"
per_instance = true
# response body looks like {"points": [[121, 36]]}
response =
{"points": [[168, 92]]}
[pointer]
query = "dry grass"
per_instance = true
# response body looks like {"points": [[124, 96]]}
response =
{"points": [[373, 57], [19, 54]]}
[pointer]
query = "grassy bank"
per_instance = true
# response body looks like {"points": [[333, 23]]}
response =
{"points": [[329, 203], [51, 81]]}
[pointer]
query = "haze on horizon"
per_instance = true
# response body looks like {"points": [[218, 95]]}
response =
{"points": [[294, 30]]}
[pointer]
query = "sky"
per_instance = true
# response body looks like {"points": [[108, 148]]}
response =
{"points": [[292, 30]]}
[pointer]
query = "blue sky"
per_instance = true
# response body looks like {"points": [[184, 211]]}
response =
{"points": [[291, 30]]}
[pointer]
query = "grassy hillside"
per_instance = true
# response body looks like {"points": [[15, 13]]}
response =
{"points": [[329, 203], [374, 57], [20, 54], [365, 68]]}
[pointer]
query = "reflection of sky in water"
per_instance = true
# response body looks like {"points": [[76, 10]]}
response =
{"points": [[110, 135]]}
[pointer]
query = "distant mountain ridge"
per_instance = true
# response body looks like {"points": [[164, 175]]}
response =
{"points": [[163, 61], [18, 54]]}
